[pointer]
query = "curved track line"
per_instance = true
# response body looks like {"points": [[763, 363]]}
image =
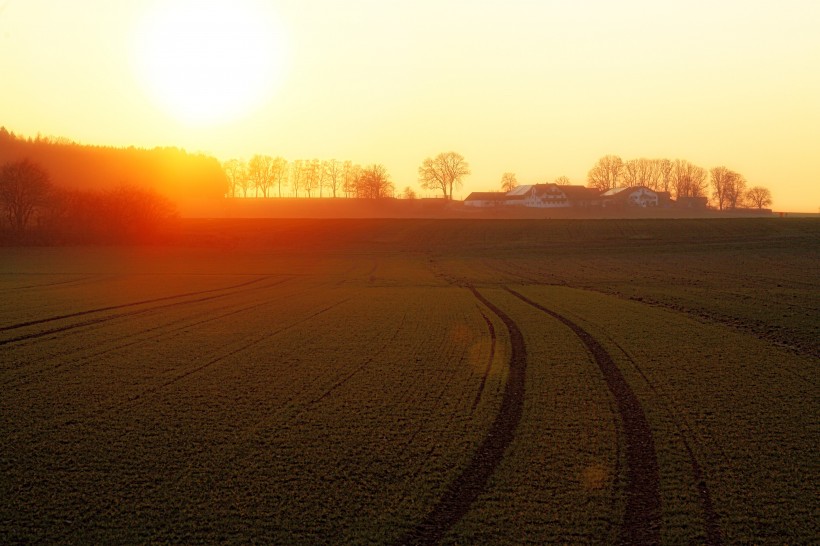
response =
{"points": [[642, 517], [490, 359], [464, 490], [711, 521]]}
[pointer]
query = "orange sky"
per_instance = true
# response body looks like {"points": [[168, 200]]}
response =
{"points": [[541, 88]]}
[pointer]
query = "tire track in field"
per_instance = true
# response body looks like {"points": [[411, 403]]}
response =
{"points": [[46, 285], [124, 305], [134, 339], [490, 359], [467, 486], [240, 451], [136, 398], [710, 517], [642, 517], [107, 318]]}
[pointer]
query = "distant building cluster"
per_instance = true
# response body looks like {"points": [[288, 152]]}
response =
{"points": [[548, 196]]}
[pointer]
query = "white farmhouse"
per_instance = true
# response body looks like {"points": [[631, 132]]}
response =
{"points": [[633, 196]]}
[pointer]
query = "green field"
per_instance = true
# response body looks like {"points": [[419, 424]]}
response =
{"points": [[416, 381]]}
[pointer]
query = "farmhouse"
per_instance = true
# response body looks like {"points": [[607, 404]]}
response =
{"points": [[552, 196], [633, 196]]}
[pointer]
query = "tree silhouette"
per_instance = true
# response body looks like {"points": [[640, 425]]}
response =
{"points": [[260, 172], [759, 196], [24, 186], [508, 182], [606, 174], [443, 172], [374, 183]]}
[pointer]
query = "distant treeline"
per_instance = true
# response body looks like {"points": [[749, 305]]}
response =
{"points": [[265, 176], [171, 172], [36, 211], [680, 179]]}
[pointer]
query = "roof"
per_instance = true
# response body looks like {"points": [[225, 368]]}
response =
{"points": [[579, 192], [485, 196], [520, 190]]}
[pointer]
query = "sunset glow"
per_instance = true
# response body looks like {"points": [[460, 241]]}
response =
{"points": [[208, 61], [540, 89]]}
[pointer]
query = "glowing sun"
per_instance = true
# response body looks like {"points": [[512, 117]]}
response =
{"points": [[209, 61]]}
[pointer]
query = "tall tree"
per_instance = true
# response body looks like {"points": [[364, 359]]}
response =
{"points": [[24, 186], [350, 174], [642, 172], [260, 172], [508, 182], [297, 176], [443, 172], [665, 168], [334, 175], [688, 180], [313, 176], [736, 192], [236, 172], [759, 196], [374, 183], [723, 182], [280, 172], [606, 174]]}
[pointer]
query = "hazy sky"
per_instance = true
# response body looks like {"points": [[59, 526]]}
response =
{"points": [[540, 88]]}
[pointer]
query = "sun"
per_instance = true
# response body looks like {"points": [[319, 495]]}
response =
{"points": [[209, 61]]}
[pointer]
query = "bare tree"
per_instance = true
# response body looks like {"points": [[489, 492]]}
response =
{"points": [[350, 174], [260, 173], [409, 193], [24, 186], [723, 182], [606, 174], [562, 181], [665, 168], [236, 172], [759, 196], [642, 172], [688, 180], [313, 176], [335, 175], [736, 191], [374, 183], [280, 172], [443, 172], [297, 176], [508, 182]]}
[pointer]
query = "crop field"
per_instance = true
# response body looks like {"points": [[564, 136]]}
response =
{"points": [[416, 382]]}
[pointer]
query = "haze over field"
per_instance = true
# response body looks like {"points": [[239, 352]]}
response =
{"points": [[542, 89]]}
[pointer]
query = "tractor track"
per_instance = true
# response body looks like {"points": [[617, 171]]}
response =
{"points": [[106, 318], [490, 359], [462, 492], [140, 337], [710, 518], [642, 515]]}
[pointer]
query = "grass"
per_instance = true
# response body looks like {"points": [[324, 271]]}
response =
{"points": [[302, 381]]}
